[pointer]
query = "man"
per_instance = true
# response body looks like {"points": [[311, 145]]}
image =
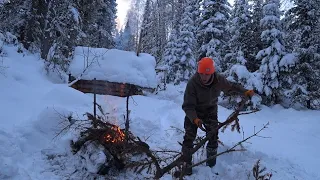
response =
{"points": [[200, 105]]}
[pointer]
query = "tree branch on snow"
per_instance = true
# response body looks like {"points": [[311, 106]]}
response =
{"points": [[70, 120], [257, 172], [233, 148]]}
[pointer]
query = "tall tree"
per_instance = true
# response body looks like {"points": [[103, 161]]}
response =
{"points": [[170, 55], [135, 18], [254, 41], [302, 21], [273, 51], [14, 17], [182, 68], [98, 18], [125, 39], [212, 32], [147, 35], [177, 11], [238, 44], [161, 28]]}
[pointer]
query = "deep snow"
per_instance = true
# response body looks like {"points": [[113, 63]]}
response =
{"points": [[32, 110], [114, 65]]}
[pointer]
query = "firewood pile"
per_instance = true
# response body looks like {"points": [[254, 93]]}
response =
{"points": [[114, 140]]}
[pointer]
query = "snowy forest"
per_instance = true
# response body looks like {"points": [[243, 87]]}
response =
{"points": [[253, 42], [89, 90]]}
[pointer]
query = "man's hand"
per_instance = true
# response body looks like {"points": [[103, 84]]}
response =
{"points": [[249, 93], [199, 123]]}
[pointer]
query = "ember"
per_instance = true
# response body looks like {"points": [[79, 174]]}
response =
{"points": [[116, 136]]}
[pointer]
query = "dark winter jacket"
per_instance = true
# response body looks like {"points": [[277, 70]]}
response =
{"points": [[201, 100]]}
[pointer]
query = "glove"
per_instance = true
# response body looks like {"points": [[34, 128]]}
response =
{"points": [[249, 93], [199, 123]]}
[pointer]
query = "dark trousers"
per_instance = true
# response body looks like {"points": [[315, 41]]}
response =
{"points": [[210, 123]]}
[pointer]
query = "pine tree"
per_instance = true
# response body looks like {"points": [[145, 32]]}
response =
{"points": [[212, 32], [238, 44], [98, 22], [237, 58], [14, 15], [63, 31], [170, 56], [161, 19], [254, 41], [135, 17], [106, 23], [274, 51], [147, 37], [177, 11], [303, 22], [184, 65], [127, 41]]}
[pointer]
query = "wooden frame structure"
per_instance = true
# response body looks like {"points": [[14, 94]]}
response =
{"points": [[103, 87]]}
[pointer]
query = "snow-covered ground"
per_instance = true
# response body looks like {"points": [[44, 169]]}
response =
{"points": [[32, 110]]}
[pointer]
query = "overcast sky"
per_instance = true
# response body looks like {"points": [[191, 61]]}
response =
{"points": [[123, 6]]}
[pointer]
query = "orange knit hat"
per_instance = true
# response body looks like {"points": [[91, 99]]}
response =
{"points": [[206, 66]]}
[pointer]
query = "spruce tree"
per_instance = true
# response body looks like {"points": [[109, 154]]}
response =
{"points": [[183, 67], [98, 22], [254, 41], [273, 52], [302, 21], [238, 44], [14, 15], [170, 56], [212, 32], [127, 38], [147, 35]]}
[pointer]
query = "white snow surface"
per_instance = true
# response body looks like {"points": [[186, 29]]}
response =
{"points": [[114, 65], [32, 110]]}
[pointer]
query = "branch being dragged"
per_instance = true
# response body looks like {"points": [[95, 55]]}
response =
{"points": [[233, 148]]}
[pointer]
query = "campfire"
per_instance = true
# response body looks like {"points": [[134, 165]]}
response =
{"points": [[119, 145], [115, 135]]}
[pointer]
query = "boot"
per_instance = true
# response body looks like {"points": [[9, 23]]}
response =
{"points": [[187, 159], [211, 152], [188, 170]]}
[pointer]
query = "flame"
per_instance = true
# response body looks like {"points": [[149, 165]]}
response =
{"points": [[116, 136]]}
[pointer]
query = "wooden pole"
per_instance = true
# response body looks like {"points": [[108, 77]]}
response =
{"points": [[127, 123], [94, 101], [165, 79]]}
